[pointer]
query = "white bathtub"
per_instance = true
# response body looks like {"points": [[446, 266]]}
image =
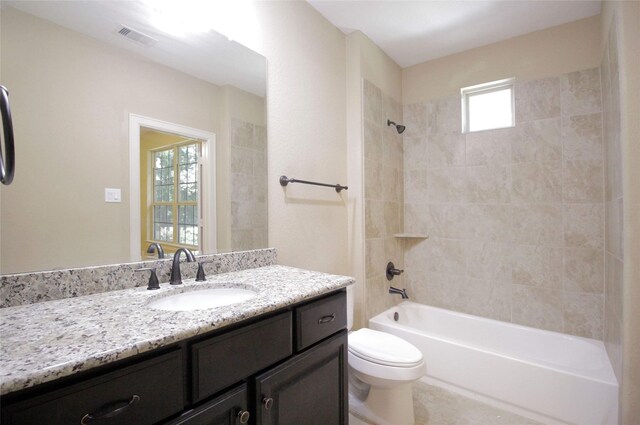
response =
{"points": [[547, 376]]}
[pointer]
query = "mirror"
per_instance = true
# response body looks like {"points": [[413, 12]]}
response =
{"points": [[88, 82]]}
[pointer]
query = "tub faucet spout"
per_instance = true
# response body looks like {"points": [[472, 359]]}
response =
{"points": [[401, 292]]}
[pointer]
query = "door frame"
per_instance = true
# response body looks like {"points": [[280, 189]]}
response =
{"points": [[208, 180]]}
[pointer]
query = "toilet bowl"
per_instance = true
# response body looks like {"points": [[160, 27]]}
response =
{"points": [[382, 368]]}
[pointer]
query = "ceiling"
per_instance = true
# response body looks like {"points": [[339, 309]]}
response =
{"points": [[207, 55], [412, 32]]}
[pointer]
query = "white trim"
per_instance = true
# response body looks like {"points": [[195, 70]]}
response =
{"points": [[484, 88], [208, 178]]}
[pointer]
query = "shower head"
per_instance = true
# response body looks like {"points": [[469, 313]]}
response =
{"points": [[399, 127]]}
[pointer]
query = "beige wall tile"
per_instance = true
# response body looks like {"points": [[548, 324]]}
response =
{"points": [[536, 182], [538, 266], [241, 133], [416, 258], [415, 152], [613, 342], [391, 109], [392, 217], [488, 260], [392, 150], [538, 307], [584, 225], [583, 314], [445, 149], [372, 103], [490, 222], [488, 184], [447, 220], [447, 115], [372, 180], [444, 290], [581, 92], [538, 224], [374, 219], [447, 184], [583, 270], [614, 227], [372, 141], [486, 298], [241, 160], [582, 137], [415, 218], [416, 286], [613, 284], [378, 297], [491, 147], [392, 185], [374, 251], [582, 181], [537, 141], [445, 256], [537, 99], [415, 119], [415, 186]]}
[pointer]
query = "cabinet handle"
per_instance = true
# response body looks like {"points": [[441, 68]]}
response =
{"points": [[107, 412], [243, 416], [326, 319], [267, 402]]}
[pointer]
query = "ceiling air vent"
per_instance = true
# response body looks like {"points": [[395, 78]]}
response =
{"points": [[137, 36]]}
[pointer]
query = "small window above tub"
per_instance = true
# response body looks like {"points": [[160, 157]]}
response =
{"points": [[488, 106]]}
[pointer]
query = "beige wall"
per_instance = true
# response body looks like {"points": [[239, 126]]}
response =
{"points": [[621, 39], [552, 51], [365, 61], [80, 144], [306, 126]]}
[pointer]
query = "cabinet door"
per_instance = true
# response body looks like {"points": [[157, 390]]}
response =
{"points": [[228, 409], [309, 389]]}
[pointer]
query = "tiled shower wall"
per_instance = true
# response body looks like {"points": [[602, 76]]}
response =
{"points": [[248, 185], [383, 189], [614, 256], [515, 216]]}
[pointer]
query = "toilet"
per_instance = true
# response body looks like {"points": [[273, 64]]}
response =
{"points": [[382, 368]]}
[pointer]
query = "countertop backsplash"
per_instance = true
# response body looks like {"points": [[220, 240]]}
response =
{"points": [[29, 288]]}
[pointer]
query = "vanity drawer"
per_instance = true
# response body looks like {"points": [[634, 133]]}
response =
{"points": [[226, 359], [143, 393], [320, 319]]}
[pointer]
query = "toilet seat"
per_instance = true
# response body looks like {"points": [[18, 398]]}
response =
{"points": [[383, 349]]}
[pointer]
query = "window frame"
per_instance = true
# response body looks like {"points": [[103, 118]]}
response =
{"points": [[485, 88]]}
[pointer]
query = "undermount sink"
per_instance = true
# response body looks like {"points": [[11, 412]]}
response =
{"points": [[202, 299]]}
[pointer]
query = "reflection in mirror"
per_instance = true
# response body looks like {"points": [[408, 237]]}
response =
{"points": [[78, 87]]}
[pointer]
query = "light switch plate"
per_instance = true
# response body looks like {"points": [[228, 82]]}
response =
{"points": [[112, 195]]}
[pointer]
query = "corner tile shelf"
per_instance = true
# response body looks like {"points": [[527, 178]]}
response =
{"points": [[411, 235]]}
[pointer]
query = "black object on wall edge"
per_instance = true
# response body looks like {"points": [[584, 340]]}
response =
{"points": [[7, 155]]}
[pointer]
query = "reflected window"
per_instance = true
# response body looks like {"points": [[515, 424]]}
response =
{"points": [[175, 175]]}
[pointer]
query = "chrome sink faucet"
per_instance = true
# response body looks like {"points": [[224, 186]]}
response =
{"points": [[176, 277]]}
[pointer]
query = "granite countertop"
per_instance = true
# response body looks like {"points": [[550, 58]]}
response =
{"points": [[45, 341]]}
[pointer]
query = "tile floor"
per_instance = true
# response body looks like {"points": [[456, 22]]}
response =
{"points": [[437, 406]]}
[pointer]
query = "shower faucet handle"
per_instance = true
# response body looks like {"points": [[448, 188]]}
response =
{"points": [[392, 271]]}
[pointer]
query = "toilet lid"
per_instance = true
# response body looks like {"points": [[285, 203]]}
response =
{"points": [[383, 348]]}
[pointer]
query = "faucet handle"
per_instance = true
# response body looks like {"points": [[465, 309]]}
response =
{"points": [[153, 277], [200, 276]]}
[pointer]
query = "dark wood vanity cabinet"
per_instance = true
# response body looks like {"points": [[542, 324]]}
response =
{"points": [[289, 368], [310, 388]]}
